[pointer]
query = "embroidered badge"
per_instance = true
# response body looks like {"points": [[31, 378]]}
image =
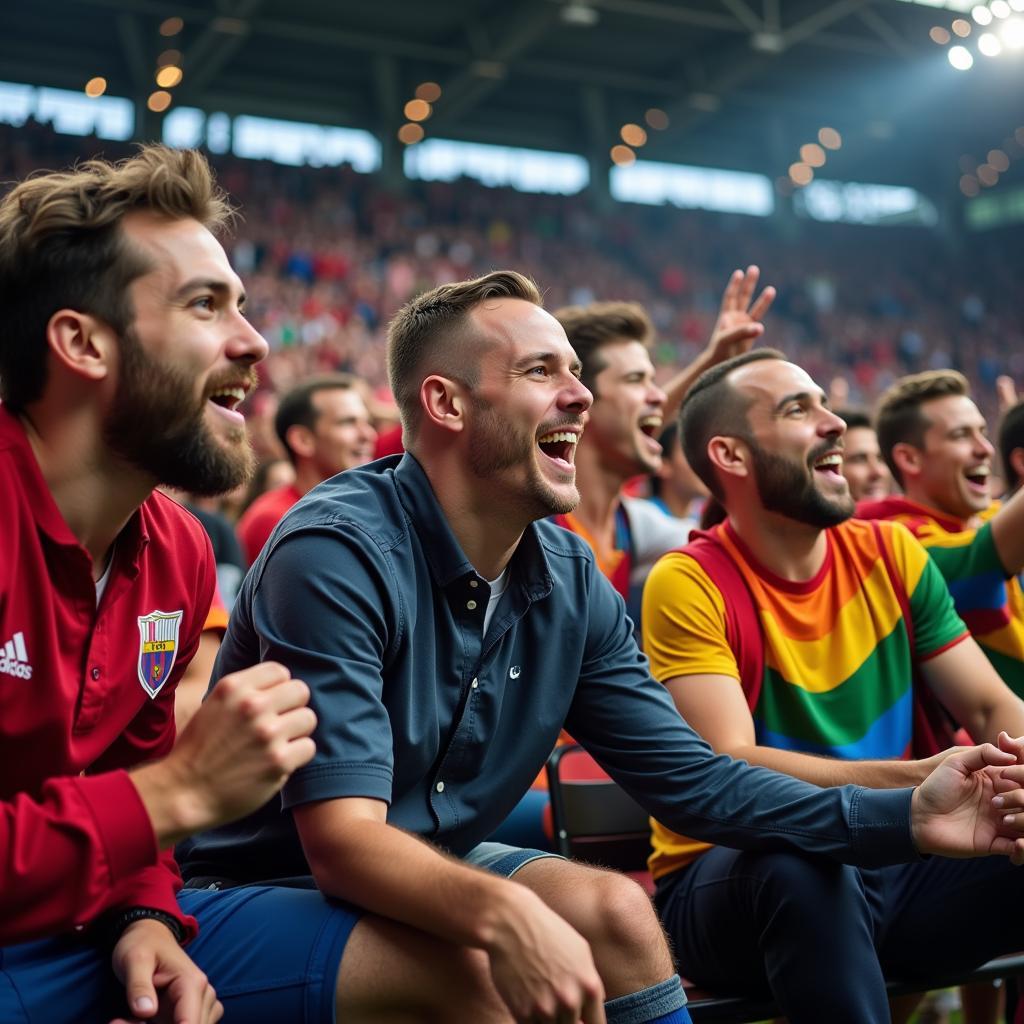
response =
{"points": [[158, 647]]}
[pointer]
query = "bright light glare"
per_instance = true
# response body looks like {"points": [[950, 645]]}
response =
{"points": [[1000, 8], [1012, 33], [989, 44], [982, 15], [960, 57], [1017, 5]]}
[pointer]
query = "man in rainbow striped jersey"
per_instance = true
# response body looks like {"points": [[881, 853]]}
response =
{"points": [[791, 636], [936, 442]]}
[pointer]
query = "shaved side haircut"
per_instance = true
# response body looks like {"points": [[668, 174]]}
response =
{"points": [[899, 418], [433, 334], [713, 407]]}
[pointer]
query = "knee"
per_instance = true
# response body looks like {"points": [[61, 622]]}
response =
{"points": [[619, 919]]}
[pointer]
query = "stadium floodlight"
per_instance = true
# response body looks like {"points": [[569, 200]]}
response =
{"points": [[960, 57], [1000, 8], [989, 45], [1012, 33], [982, 15]]}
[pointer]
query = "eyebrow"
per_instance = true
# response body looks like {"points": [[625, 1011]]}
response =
{"points": [[195, 284], [546, 357], [799, 396]]}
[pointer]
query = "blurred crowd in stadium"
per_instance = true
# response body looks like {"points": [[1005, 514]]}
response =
{"points": [[328, 258]]}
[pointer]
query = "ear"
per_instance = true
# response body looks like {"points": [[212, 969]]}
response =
{"points": [[908, 459], [1017, 462], [730, 456], [81, 343], [300, 440], [443, 402]]}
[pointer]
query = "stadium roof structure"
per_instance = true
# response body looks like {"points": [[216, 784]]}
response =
{"points": [[744, 82]]}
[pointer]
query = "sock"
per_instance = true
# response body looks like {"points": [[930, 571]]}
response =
{"points": [[664, 1003]]}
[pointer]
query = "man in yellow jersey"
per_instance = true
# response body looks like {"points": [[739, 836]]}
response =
{"points": [[788, 636]]}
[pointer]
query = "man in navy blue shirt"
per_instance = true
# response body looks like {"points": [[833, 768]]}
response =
{"points": [[447, 633]]}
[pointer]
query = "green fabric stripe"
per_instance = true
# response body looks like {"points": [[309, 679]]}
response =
{"points": [[844, 714], [936, 622], [974, 559]]}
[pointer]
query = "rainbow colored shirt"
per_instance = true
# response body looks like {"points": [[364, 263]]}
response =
{"points": [[990, 602], [839, 659]]}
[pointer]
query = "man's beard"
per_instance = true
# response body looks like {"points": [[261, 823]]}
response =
{"points": [[158, 425], [498, 446], [787, 487]]}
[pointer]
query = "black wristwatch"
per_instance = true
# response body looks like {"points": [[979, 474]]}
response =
{"points": [[115, 925]]}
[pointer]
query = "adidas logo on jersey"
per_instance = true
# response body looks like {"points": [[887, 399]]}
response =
{"points": [[14, 658]]}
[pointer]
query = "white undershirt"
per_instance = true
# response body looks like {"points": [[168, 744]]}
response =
{"points": [[101, 583], [498, 588]]}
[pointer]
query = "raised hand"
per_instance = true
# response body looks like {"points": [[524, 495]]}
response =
{"points": [[739, 323], [1006, 393]]}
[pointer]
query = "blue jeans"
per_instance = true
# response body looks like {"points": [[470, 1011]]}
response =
{"points": [[822, 937]]}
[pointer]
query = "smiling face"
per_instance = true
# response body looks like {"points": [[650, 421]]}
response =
{"points": [[525, 414], [186, 362], [795, 443], [626, 417], [863, 466], [342, 436], [951, 472]]}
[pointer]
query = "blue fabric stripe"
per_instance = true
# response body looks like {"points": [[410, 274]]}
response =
{"points": [[888, 736], [985, 591]]}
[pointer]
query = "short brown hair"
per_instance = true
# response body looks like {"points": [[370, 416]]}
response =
{"points": [[713, 407], [590, 328], [296, 407], [899, 419], [430, 335], [61, 247]]}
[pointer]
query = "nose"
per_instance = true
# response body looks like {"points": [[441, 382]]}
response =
{"points": [[655, 395], [984, 446], [576, 396], [831, 424], [246, 342]]}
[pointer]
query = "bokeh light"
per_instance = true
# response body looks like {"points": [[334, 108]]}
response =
{"points": [[939, 35], [418, 110], [960, 57], [168, 77], [159, 101], [410, 134], [830, 138], [800, 174], [95, 87], [633, 135], [428, 91], [171, 26], [623, 156], [656, 119]]}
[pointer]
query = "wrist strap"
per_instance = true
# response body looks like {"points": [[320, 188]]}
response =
{"points": [[117, 923]]}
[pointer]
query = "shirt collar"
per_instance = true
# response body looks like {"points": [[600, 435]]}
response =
{"points": [[47, 515], [448, 562]]}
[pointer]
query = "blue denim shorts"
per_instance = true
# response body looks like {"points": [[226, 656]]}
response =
{"points": [[272, 953]]}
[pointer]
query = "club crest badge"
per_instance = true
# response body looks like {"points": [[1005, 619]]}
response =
{"points": [[158, 647]]}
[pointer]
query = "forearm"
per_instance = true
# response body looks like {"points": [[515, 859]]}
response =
{"points": [[398, 876], [1003, 715], [676, 387], [831, 771]]}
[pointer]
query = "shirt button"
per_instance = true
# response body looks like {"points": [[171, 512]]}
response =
{"points": [[95, 673], [474, 584], [471, 605], [475, 683], [440, 787]]}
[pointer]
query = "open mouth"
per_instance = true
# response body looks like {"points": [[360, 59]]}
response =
{"points": [[650, 427], [560, 447], [228, 399], [830, 463], [977, 478]]}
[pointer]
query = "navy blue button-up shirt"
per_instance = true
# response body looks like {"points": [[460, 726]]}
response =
{"points": [[364, 592]]}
